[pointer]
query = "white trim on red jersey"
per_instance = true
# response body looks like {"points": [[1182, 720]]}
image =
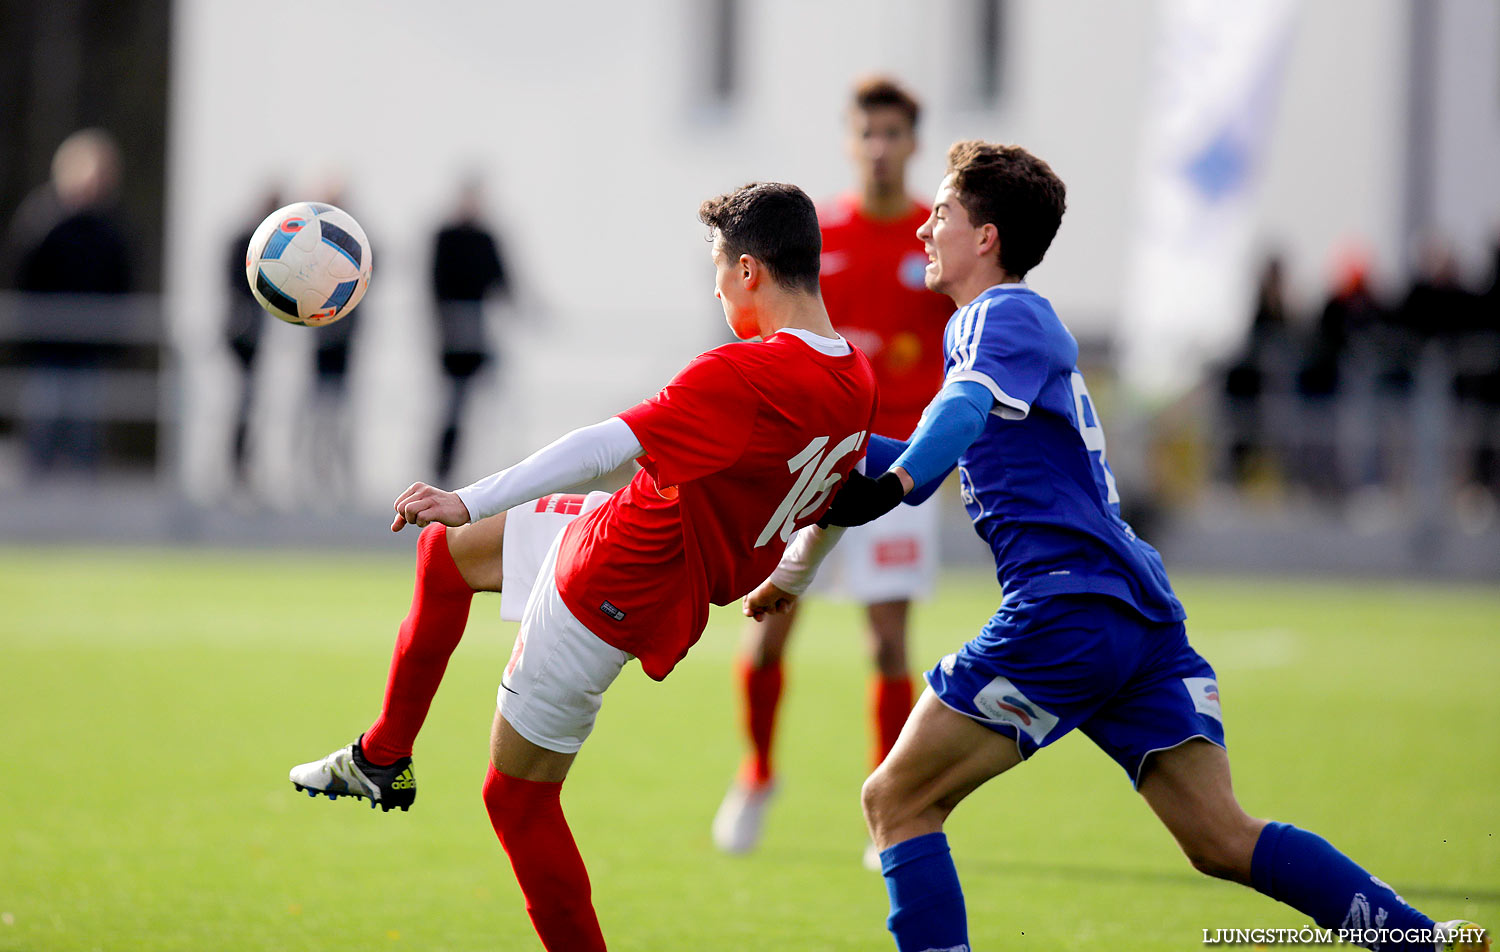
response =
{"points": [[831, 346]]}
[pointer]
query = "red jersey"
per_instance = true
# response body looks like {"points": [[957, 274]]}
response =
{"points": [[742, 448], [872, 278]]}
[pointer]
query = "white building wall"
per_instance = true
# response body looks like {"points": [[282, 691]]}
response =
{"points": [[590, 122], [1465, 187]]}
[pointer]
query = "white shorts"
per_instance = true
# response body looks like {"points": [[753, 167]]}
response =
{"points": [[894, 558], [529, 531], [559, 670]]}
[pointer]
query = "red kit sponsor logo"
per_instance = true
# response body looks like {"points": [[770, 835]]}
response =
{"points": [[565, 504], [892, 553]]}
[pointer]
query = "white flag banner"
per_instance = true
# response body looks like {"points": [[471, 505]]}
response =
{"points": [[1212, 97]]}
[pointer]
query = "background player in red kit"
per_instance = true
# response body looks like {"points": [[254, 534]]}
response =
{"points": [[872, 278], [742, 448]]}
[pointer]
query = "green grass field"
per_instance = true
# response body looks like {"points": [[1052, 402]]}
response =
{"points": [[152, 702]]}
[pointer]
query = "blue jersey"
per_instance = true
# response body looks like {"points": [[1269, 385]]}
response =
{"points": [[1036, 481]]}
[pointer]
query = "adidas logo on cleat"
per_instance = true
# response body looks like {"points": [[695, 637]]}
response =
{"points": [[347, 773]]}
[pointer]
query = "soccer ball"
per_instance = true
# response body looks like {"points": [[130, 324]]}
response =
{"points": [[308, 263]]}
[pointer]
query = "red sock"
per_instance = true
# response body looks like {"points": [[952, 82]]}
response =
{"points": [[890, 703], [428, 635], [528, 818], [761, 689]]}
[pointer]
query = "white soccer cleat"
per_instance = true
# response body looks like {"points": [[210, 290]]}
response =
{"points": [[1461, 935], [346, 773], [871, 859], [737, 825]]}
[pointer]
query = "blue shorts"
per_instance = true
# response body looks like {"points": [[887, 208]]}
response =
{"points": [[1040, 668]]}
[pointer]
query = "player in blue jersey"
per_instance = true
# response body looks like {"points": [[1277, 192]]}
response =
{"points": [[1089, 633]]}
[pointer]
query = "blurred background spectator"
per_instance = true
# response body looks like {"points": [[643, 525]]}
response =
{"points": [[467, 267], [329, 424], [244, 326], [65, 240], [1259, 373]]}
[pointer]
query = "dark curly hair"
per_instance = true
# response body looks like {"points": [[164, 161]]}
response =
{"points": [[773, 223], [1018, 193]]}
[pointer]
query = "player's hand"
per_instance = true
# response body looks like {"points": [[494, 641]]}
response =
{"points": [[767, 600], [422, 505], [862, 499]]}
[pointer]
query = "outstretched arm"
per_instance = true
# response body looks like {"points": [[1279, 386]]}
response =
{"points": [[953, 420], [794, 573], [582, 455]]}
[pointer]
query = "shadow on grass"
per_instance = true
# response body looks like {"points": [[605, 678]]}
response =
{"points": [[1079, 872]]}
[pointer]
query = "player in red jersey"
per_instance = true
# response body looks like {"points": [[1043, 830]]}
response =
{"points": [[873, 283], [740, 450]]}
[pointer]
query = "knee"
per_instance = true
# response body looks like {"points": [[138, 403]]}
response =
{"points": [[882, 803], [507, 813], [493, 791], [888, 638], [1210, 861], [764, 642], [762, 652], [1224, 852], [476, 550], [873, 799], [890, 656]]}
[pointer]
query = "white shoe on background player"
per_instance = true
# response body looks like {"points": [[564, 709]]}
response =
{"points": [[737, 825]]}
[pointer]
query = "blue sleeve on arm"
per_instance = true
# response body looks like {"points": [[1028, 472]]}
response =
{"points": [[881, 454], [953, 420]]}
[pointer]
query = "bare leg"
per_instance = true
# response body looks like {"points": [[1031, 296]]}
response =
{"points": [[940, 758], [1189, 789], [888, 637], [891, 686]]}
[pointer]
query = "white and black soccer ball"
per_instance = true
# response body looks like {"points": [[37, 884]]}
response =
{"points": [[308, 263]]}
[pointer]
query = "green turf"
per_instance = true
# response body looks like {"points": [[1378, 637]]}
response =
{"points": [[152, 702]]}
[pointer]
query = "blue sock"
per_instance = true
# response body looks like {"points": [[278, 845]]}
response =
{"points": [[1304, 871], [927, 903]]}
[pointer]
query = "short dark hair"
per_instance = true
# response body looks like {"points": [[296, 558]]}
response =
{"points": [[773, 223], [873, 92], [1018, 193]]}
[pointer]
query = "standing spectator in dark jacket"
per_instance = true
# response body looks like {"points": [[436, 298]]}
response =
{"points": [[466, 266], [1350, 316], [242, 328], [70, 246], [1477, 382], [1260, 371], [1438, 307], [330, 429]]}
